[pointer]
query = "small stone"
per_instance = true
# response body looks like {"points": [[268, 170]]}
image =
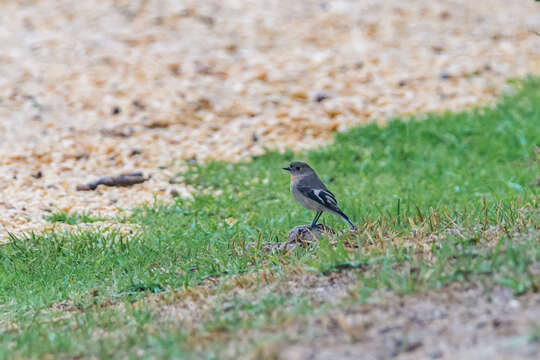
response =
{"points": [[303, 234], [320, 97], [37, 175], [207, 20], [444, 15], [437, 49], [445, 75], [232, 47], [138, 104], [82, 156], [174, 69]]}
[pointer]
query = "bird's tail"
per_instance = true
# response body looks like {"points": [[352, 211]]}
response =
{"points": [[345, 218]]}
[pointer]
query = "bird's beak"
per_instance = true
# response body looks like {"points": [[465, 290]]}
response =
{"points": [[287, 168]]}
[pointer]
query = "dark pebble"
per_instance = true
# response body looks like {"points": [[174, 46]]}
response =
{"points": [[320, 97], [82, 156], [445, 75], [138, 104], [37, 175]]}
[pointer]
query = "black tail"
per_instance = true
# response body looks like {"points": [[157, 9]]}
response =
{"points": [[344, 217]]}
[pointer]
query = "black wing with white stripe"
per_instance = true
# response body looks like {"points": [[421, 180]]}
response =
{"points": [[315, 190], [322, 196]]}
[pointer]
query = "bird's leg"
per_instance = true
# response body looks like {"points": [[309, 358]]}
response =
{"points": [[319, 213], [318, 217]]}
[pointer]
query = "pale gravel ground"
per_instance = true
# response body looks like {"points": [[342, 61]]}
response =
{"points": [[224, 79]]}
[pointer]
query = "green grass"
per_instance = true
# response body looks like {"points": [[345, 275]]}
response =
{"points": [[454, 176], [139, 328], [72, 218]]}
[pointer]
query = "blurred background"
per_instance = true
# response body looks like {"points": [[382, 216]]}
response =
{"points": [[97, 88]]}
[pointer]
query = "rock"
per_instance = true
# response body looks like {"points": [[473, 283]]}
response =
{"points": [[304, 235], [37, 175], [82, 156], [320, 97], [118, 131], [445, 75], [300, 235], [138, 104]]}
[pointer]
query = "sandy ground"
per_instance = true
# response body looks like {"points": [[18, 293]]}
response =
{"points": [[99, 88]]}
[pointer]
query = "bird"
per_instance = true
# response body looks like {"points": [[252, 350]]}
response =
{"points": [[310, 192]]}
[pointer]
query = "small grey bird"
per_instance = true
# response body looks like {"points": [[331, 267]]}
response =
{"points": [[311, 193]]}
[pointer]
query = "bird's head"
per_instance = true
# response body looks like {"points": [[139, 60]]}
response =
{"points": [[298, 168]]}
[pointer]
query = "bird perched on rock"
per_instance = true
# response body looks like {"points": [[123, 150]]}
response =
{"points": [[311, 193]]}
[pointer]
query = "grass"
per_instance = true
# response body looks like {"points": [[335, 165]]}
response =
{"points": [[439, 200], [72, 218], [138, 326]]}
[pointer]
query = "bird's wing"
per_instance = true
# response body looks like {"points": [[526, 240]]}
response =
{"points": [[321, 195]]}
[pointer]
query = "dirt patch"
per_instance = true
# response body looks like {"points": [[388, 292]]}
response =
{"points": [[193, 306], [465, 321], [102, 88], [458, 321]]}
